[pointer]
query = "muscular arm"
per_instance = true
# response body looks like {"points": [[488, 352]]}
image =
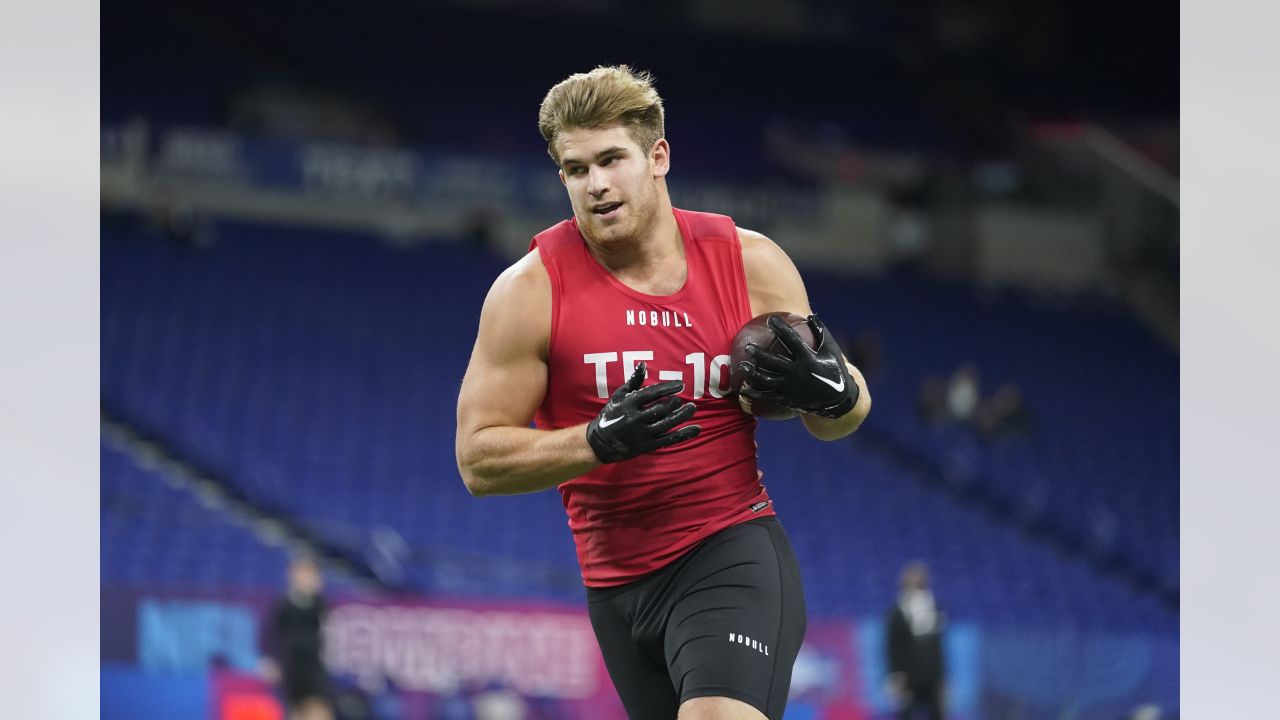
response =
{"points": [[775, 285], [497, 452]]}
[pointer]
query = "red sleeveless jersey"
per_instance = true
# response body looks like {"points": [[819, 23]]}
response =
{"points": [[633, 517]]}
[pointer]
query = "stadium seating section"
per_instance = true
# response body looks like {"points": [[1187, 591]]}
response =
{"points": [[317, 373]]}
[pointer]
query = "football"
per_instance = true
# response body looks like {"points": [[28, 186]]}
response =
{"points": [[757, 331]]}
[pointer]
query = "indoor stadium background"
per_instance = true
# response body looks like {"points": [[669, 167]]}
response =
{"points": [[304, 204]]}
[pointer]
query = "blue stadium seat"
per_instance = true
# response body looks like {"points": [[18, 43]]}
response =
{"points": [[318, 371]]}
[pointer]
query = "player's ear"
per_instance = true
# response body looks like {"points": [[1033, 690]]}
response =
{"points": [[561, 174], [660, 157]]}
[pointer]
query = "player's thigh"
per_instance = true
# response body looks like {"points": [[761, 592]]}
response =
{"points": [[718, 708], [639, 674], [738, 620]]}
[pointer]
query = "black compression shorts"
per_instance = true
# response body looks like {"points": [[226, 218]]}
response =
{"points": [[726, 619]]}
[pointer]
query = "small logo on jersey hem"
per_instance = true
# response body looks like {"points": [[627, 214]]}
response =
{"points": [[753, 644], [760, 506]]}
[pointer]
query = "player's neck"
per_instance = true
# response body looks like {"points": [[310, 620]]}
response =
{"points": [[654, 264], [656, 248]]}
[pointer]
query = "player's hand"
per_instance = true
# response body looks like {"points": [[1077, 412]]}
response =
{"points": [[811, 381], [269, 671], [640, 419], [896, 688]]}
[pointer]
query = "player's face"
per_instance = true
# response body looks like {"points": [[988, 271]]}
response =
{"points": [[612, 181]]}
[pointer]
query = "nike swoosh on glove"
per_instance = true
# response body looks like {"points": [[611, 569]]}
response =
{"points": [[638, 419], [813, 381]]}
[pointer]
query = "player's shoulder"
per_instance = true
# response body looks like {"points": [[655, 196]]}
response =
{"points": [[752, 239], [525, 279], [759, 252], [517, 310], [773, 282]]}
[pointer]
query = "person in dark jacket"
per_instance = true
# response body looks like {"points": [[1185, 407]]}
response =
{"points": [[294, 644], [915, 626]]}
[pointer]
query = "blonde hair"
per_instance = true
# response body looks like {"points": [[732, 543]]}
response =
{"points": [[603, 96]]}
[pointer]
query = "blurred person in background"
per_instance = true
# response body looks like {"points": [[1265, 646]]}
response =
{"points": [[959, 400], [951, 400], [1003, 414], [964, 393], [693, 589], [294, 644], [917, 672]]}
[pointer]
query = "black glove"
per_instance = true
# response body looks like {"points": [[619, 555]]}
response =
{"points": [[636, 420], [811, 381]]}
